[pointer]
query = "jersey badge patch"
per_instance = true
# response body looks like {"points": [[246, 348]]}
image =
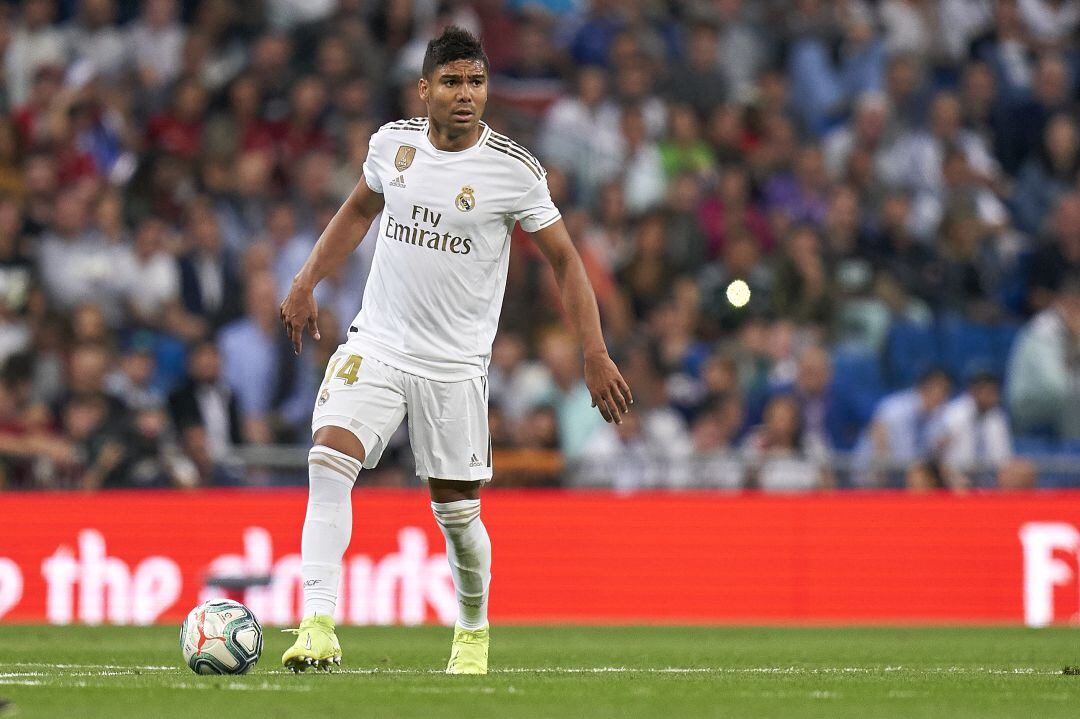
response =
{"points": [[465, 200], [404, 157]]}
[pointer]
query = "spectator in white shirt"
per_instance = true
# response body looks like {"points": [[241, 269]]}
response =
{"points": [[157, 40], [94, 38], [899, 434], [35, 43], [578, 135], [972, 436]]}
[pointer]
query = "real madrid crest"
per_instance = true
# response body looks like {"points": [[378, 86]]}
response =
{"points": [[465, 200], [404, 157], [323, 396]]}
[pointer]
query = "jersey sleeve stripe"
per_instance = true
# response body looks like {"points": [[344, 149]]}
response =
{"points": [[510, 144], [520, 159], [416, 123], [533, 166], [524, 155]]}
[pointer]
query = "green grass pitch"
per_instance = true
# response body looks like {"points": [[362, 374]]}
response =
{"points": [[564, 672]]}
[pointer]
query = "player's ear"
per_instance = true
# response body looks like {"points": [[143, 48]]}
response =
{"points": [[422, 88]]}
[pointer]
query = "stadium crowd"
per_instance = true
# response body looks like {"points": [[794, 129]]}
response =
{"points": [[896, 182]]}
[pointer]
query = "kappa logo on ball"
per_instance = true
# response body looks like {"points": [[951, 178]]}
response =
{"points": [[465, 200], [404, 157]]}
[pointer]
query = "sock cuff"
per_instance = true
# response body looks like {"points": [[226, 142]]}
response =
{"points": [[341, 464], [456, 514]]}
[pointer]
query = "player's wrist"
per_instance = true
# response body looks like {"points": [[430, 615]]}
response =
{"points": [[304, 282], [595, 353]]}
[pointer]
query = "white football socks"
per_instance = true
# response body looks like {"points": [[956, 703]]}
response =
{"points": [[468, 549], [327, 526]]}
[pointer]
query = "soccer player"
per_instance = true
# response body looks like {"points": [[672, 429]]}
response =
{"points": [[450, 190]]}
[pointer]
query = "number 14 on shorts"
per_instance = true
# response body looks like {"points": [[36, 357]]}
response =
{"points": [[343, 368]]}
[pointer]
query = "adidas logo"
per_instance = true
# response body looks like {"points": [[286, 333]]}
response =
{"points": [[475, 462], [398, 181]]}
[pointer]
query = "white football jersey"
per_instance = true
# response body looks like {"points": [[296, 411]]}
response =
{"points": [[432, 300]]}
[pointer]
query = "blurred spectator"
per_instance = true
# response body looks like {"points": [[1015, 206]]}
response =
{"points": [[1057, 258], [715, 461], [32, 454], [156, 40], [153, 273], [924, 477], [208, 278], [686, 242], [1044, 368], [132, 381], [699, 81], [802, 288], [781, 455], [258, 362], [685, 151], [594, 37], [580, 134], [798, 196], [826, 417], [179, 130], [1047, 175], [822, 83], [76, 264], [643, 179], [145, 455], [972, 437], [732, 210], [35, 43], [94, 38], [514, 381], [1051, 93], [567, 393], [865, 133], [205, 410], [646, 450], [900, 431], [1048, 21], [648, 276]]}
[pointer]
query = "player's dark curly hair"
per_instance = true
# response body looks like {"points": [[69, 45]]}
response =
{"points": [[455, 43]]}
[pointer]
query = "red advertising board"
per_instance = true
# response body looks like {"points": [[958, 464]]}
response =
{"points": [[144, 557]]}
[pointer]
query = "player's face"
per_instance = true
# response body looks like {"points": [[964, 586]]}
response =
{"points": [[456, 94]]}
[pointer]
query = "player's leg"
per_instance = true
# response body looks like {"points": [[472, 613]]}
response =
{"points": [[456, 506], [358, 405], [334, 462], [449, 434]]}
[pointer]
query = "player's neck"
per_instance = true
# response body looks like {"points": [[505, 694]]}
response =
{"points": [[441, 138]]}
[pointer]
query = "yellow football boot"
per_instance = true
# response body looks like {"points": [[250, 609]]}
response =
{"points": [[469, 652], [316, 645]]}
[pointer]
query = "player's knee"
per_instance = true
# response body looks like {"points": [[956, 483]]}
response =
{"points": [[452, 490], [456, 517], [341, 440]]}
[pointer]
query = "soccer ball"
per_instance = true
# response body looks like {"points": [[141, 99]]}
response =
{"points": [[221, 637]]}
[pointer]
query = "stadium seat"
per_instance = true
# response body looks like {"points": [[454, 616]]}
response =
{"points": [[969, 346], [910, 350], [1032, 445]]}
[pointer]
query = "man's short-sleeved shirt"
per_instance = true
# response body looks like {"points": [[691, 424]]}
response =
{"points": [[432, 300]]}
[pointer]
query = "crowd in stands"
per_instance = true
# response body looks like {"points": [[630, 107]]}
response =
{"points": [[895, 182]]}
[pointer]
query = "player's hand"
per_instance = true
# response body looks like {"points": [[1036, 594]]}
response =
{"points": [[299, 310], [609, 391]]}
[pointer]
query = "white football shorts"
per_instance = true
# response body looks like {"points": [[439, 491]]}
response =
{"points": [[448, 425]]}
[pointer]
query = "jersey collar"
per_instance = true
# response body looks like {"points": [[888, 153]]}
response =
{"points": [[485, 132]]}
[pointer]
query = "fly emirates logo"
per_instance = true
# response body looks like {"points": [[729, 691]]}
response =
{"points": [[424, 232]]}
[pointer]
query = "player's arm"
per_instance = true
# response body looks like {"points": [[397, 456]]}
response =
{"points": [[610, 392], [338, 240]]}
